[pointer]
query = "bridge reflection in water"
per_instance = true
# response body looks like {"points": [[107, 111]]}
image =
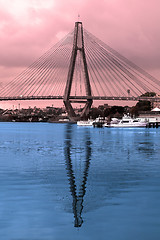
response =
{"points": [[77, 193]]}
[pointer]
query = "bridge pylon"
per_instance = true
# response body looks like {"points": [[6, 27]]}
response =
{"points": [[78, 45]]}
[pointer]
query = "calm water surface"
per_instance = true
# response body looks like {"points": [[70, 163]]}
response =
{"points": [[60, 181]]}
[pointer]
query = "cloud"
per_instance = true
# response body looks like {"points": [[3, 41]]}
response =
{"points": [[30, 27]]}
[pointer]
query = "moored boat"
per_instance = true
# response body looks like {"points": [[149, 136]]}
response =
{"points": [[99, 122], [88, 122], [126, 122]]}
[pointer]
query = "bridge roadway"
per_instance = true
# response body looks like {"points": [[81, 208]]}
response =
{"points": [[78, 99]]}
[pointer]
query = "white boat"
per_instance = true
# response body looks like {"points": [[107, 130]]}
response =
{"points": [[126, 122], [88, 122], [99, 122]]}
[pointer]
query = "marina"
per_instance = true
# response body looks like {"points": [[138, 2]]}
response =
{"points": [[79, 125], [125, 122], [78, 185]]}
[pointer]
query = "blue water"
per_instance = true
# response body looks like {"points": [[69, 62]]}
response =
{"points": [[60, 181]]}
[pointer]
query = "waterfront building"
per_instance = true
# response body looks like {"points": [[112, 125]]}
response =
{"points": [[151, 116]]}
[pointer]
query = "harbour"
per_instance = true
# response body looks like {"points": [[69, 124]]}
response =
{"points": [[125, 122], [79, 120], [87, 183]]}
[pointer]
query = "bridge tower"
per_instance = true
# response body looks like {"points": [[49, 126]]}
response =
{"points": [[78, 45]]}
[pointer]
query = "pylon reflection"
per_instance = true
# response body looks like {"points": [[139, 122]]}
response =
{"points": [[78, 197]]}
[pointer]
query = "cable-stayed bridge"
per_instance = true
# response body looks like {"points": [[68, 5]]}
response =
{"points": [[81, 68]]}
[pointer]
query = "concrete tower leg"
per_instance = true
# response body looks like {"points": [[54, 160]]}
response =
{"points": [[78, 45]]}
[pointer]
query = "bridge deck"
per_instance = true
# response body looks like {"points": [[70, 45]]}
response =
{"points": [[155, 99]]}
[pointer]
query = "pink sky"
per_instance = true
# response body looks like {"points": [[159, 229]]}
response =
{"points": [[29, 27]]}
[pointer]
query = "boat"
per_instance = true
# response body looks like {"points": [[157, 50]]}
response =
{"points": [[88, 122], [99, 122], [126, 122]]}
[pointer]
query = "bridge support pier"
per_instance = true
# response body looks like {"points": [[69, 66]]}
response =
{"points": [[70, 110], [78, 45]]}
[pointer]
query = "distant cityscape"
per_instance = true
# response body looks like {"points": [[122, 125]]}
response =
{"points": [[53, 114]]}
